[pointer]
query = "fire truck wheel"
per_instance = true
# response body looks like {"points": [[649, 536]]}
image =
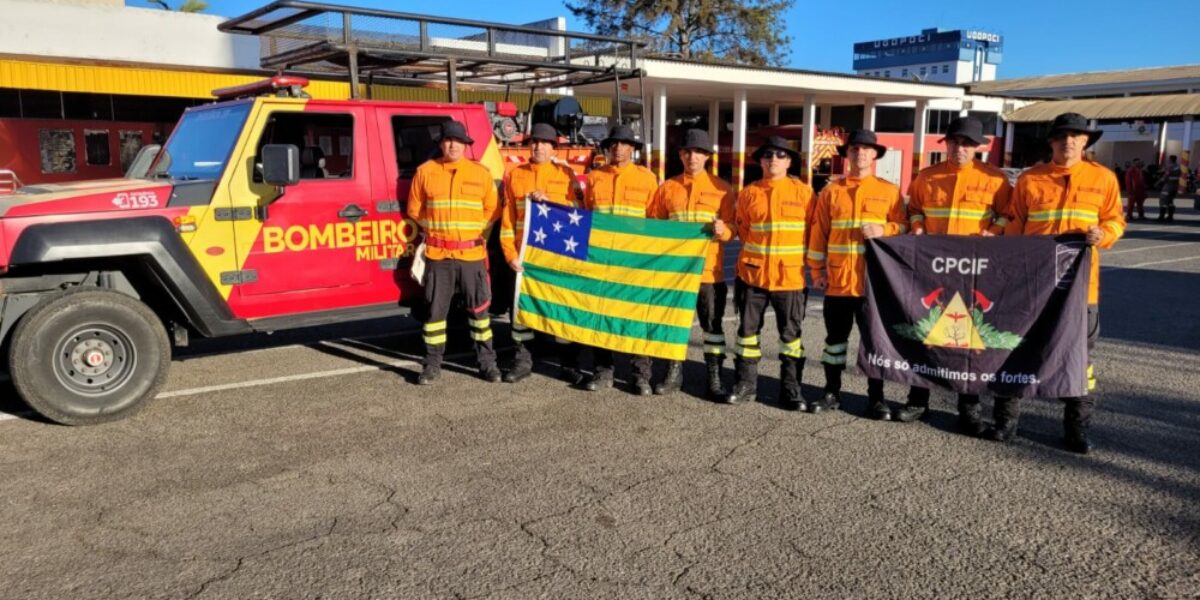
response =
{"points": [[89, 356]]}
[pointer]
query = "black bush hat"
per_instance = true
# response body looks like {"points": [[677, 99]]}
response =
{"points": [[696, 139], [620, 133], [863, 137], [775, 142], [453, 130], [1073, 122], [967, 127], [544, 132]]}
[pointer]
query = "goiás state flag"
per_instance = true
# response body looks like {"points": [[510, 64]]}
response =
{"points": [[621, 283], [999, 315]]}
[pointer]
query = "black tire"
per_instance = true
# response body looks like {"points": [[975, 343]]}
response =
{"points": [[89, 356]]}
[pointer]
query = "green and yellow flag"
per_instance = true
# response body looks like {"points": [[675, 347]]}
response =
{"points": [[621, 283]]}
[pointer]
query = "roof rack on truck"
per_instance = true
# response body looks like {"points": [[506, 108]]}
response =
{"points": [[398, 48]]}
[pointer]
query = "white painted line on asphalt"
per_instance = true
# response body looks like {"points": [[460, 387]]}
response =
{"points": [[1151, 263], [1104, 253], [273, 380]]}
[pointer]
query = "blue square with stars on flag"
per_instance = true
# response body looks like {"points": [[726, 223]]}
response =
{"points": [[559, 229]]}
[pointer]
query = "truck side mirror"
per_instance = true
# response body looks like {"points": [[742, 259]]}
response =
{"points": [[280, 164]]}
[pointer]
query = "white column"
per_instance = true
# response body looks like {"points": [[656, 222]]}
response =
{"points": [[1185, 155], [826, 116], [714, 131], [660, 131], [1162, 143], [739, 139], [869, 114], [773, 119], [806, 141], [963, 111], [920, 123], [1010, 131]]}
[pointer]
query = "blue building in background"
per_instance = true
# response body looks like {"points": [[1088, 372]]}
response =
{"points": [[958, 56]]}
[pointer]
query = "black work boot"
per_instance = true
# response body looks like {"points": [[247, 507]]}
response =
{"points": [[641, 387], [1171, 214], [917, 406], [716, 390], [429, 374], [490, 374], [1077, 418], [877, 407], [522, 365], [831, 399], [790, 373], [602, 379], [1005, 415], [746, 387], [673, 381], [970, 415]]}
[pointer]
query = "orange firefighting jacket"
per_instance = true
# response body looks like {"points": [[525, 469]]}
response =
{"points": [[622, 191], [453, 201], [772, 221], [835, 243], [556, 180], [1052, 200], [698, 199], [947, 200]]}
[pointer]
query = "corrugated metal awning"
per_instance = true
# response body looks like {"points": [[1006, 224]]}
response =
{"points": [[1169, 106]]}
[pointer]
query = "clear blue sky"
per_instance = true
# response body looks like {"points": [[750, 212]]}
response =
{"points": [[1102, 35]]}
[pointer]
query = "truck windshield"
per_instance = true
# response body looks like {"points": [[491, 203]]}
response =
{"points": [[201, 143]]}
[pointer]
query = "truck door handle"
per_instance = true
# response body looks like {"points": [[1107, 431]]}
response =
{"points": [[352, 213]]}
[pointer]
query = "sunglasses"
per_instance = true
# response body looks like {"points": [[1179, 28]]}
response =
{"points": [[767, 154]]}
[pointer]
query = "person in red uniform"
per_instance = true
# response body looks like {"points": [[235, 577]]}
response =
{"points": [[1135, 187]]}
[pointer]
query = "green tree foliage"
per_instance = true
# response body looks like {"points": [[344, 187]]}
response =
{"points": [[738, 31], [188, 6]]}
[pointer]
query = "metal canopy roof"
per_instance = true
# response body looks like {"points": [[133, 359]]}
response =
{"points": [[326, 38], [1032, 85], [1134, 107]]}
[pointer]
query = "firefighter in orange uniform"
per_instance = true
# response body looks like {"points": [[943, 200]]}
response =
{"points": [[699, 197], [624, 189], [772, 220], [1070, 194], [849, 210], [961, 196], [454, 200], [544, 180]]}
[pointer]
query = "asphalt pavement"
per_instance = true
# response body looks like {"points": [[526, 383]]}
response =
{"points": [[307, 465]]}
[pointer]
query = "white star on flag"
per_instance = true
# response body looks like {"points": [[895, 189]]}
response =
{"points": [[543, 210], [539, 236], [571, 243], [575, 217], [557, 227]]}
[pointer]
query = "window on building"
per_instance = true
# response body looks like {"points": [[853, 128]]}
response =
{"points": [[41, 105], [416, 139], [315, 134], [894, 119], [990, 120], [10, 103], [57, 147], [938, 121], [922, 71], [95, 145], [87, 107], [131, 144], [887, 73], [904, 72], [936, 157], [945, 68]]}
